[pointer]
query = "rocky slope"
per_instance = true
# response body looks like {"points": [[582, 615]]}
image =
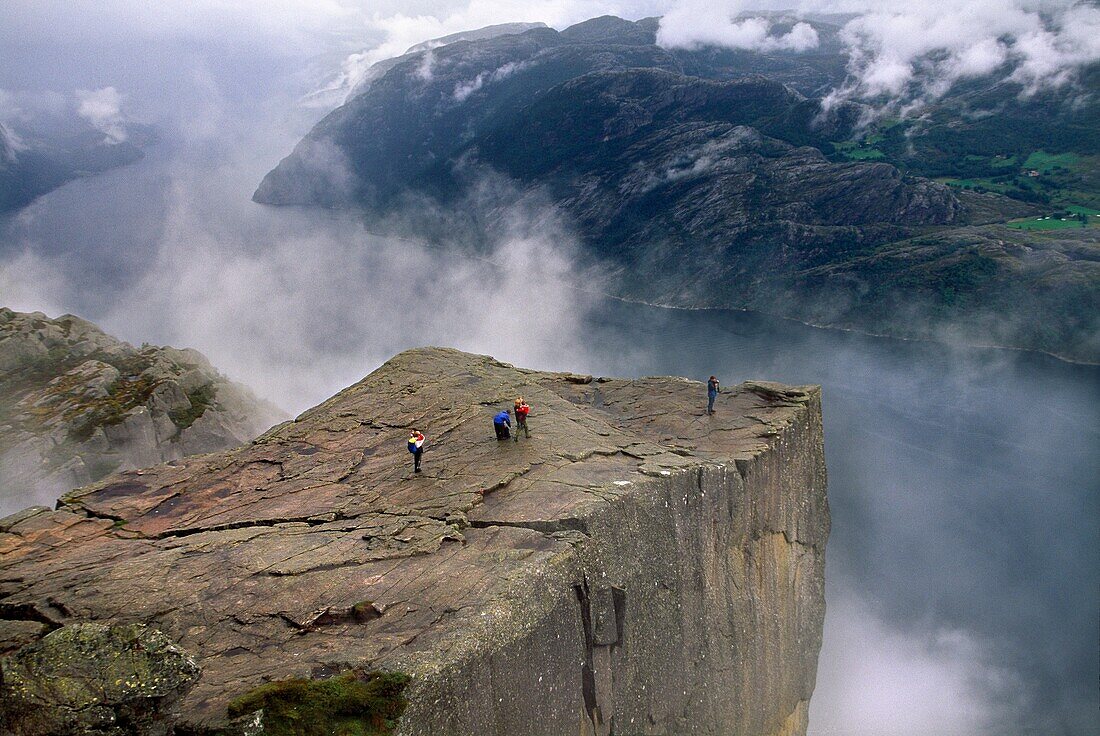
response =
{"points": [[49, 157], [77, 404], [989, 285], [636, 567], [699, 178]]}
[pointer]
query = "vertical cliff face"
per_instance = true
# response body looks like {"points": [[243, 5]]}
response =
{"points": [[636, 567], [692, 595]]}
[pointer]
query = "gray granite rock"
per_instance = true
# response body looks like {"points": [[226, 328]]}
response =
{"points": [[75, 404]]}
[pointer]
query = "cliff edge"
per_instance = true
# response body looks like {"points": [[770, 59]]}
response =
{"points": [[636, 567]]}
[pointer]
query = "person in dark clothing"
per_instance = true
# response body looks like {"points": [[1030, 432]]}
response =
{"points": [[502, 422], [521, 410], [712, 393], [416, 447]]}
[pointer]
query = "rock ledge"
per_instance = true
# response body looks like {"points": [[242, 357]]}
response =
{"points": [[637, 567]]}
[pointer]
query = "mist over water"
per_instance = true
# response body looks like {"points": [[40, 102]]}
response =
{"points": [[963, 576], [963, 571]]}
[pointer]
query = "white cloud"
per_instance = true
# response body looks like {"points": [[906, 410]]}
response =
{"points": [[912, 53], [427, 62], [464, 89], [30, 283], [12, 143], [877, 679], [697, 23], [1050, 56], [103, 109], [299, 303]]}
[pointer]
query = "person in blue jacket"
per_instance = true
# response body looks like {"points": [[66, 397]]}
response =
{"points": [[502, 422], [712, 393]]}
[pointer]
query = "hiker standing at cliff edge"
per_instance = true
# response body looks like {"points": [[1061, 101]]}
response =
{"points": [[712, 393], [521, 410], [501, 423], [416, 447]]}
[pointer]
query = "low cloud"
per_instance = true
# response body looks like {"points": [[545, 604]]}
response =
{"points": [[427, 63], [10, 144], [31, 283], [465, 89], [903, 56], [103, 109], [299, 303], [876, 679], [695, 24]]}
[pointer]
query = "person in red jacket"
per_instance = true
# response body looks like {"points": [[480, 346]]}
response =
{"points": [[521, 410], [416, 447]]}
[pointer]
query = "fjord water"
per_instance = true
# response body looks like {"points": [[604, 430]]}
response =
{"points": [[963, 572]]}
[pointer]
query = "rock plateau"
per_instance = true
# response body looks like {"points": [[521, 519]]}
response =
{"points": [[636, 567]]}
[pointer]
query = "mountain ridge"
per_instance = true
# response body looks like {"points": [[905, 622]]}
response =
{"points": [[708, 186]]}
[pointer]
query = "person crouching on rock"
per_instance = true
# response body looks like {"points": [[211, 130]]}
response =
{"points": [[521, 410], [501, 423], [416, 447], [712, 393]]}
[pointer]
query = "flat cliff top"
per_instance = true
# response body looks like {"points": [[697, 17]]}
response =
{"points": [[317, 548]]}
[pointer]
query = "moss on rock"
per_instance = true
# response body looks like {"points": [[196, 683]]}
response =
{"points": [[202, 398], [351, 704], [93, 679]]}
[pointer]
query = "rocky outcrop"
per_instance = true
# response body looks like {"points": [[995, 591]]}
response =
{"points": [[76, 404], [93, 678], [636, 567]]}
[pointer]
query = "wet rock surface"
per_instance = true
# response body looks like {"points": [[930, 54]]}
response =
{"points": [[77, 404], [636, 567]]}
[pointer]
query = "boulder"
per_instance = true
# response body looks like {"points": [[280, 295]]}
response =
{"points": [[94, 679]]}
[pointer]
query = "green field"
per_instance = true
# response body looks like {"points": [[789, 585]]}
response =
{"points": [[1055, 182], [1054, 223], [861, 150], [1045, 163], [978, 184], [1082, 210]]}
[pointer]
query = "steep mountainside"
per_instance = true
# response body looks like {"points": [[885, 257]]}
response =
{"points": [[636, 566], [989, 285], [77, 404], [42, 163], [711, 178]]}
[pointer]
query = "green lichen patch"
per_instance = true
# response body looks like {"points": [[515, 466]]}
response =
{"points": [[351, 704], [201, 399], [82, 676], [124, 395]]}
